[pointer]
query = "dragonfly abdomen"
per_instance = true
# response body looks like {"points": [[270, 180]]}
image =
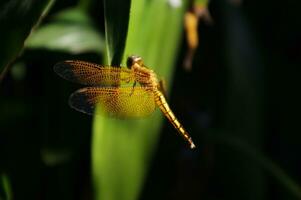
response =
{"points": [[164, 107]]}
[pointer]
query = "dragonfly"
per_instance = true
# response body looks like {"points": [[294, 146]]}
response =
{"points": [[120, 92]]}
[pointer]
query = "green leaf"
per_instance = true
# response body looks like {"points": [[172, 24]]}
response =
{"points": [[71, 31], [122, 149], [117, 14], [17, 19], [202, 2]]}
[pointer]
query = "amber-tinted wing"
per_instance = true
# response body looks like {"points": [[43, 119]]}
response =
{"points": [[92, 74], [119, 102]]}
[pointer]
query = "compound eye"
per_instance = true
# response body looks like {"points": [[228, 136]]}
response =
{"points": [[134, 60], [130, 62]]}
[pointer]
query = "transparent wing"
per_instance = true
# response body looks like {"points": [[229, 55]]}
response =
{"points": [[92, 74], [114, 102]]}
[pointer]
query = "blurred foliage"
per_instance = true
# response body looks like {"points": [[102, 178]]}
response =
{"points": [[5, 188], [71, 31], [240, 102], [18, 18]]}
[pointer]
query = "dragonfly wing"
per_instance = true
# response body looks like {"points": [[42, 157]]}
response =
{"points": [[115, 102], [87, 73]]}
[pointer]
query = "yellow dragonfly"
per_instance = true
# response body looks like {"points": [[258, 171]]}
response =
{"points": [[116, 91]]}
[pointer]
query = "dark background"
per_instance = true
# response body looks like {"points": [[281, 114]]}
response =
{"points": [[242, 96]]}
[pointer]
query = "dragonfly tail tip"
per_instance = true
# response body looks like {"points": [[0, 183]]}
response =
{"points": [[192, 145]]}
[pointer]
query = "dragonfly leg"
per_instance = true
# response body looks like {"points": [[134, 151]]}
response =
{"points": [[133, 88]]}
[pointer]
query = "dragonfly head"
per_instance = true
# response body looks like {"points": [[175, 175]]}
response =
{"points": [[134, 60]]}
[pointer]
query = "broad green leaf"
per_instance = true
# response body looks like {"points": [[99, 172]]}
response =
{"points": [[17, 19], [71, 31], [122, 149]]}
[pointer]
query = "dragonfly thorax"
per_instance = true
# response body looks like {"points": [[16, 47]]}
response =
{"points": [[146, 77]]}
